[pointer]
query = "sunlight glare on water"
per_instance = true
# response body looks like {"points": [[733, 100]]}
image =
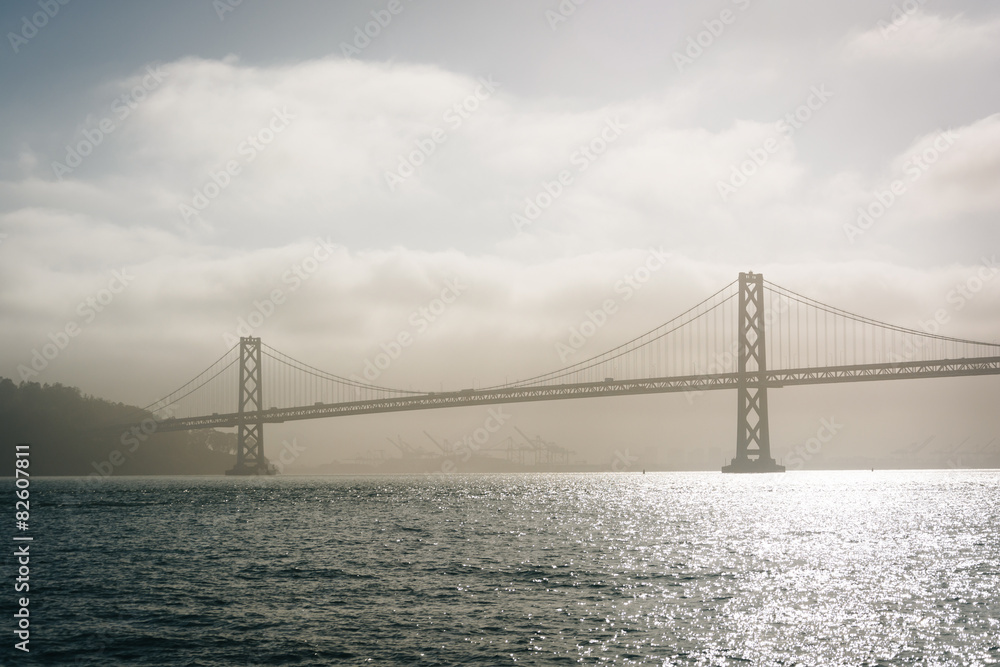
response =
{"points": [[665, 568]]}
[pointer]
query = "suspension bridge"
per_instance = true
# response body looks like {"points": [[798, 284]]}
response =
{"points": [[750, 336]]}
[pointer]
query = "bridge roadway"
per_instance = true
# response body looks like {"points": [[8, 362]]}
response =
{"points": [[430, 401]]}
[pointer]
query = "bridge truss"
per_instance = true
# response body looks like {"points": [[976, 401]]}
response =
{"points": [[750, 336]]}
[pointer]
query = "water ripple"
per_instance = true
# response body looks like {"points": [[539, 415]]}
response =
{"points": [[687, 569]]}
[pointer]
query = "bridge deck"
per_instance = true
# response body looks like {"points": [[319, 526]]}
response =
{"points": [[711, 382]]}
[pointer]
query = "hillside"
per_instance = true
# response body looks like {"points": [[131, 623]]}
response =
{"points": [[61, 424]]}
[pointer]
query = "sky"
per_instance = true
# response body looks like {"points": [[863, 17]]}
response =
{"points": [[165, 168]]}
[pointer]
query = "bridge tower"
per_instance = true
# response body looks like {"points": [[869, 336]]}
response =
{"points": [[250, 440], [753, 445]]}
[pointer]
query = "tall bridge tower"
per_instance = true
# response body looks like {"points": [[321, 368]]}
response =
{"points": [[753, 444], [250, 443], [809, 342]]}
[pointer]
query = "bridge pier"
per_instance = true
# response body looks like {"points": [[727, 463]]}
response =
{"points": [[753, 444], [250, 458]]}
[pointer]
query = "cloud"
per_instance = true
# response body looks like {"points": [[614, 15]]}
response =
{"points": [[219, 151], [219, 154], [176, 315], [921, 37], [640, 177], [960, 180], [937, 192]]}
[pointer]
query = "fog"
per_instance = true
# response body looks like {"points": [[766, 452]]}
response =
{"points": [[174, 176]]}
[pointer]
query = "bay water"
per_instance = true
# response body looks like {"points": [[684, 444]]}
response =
{"points": [[810, 568]]}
